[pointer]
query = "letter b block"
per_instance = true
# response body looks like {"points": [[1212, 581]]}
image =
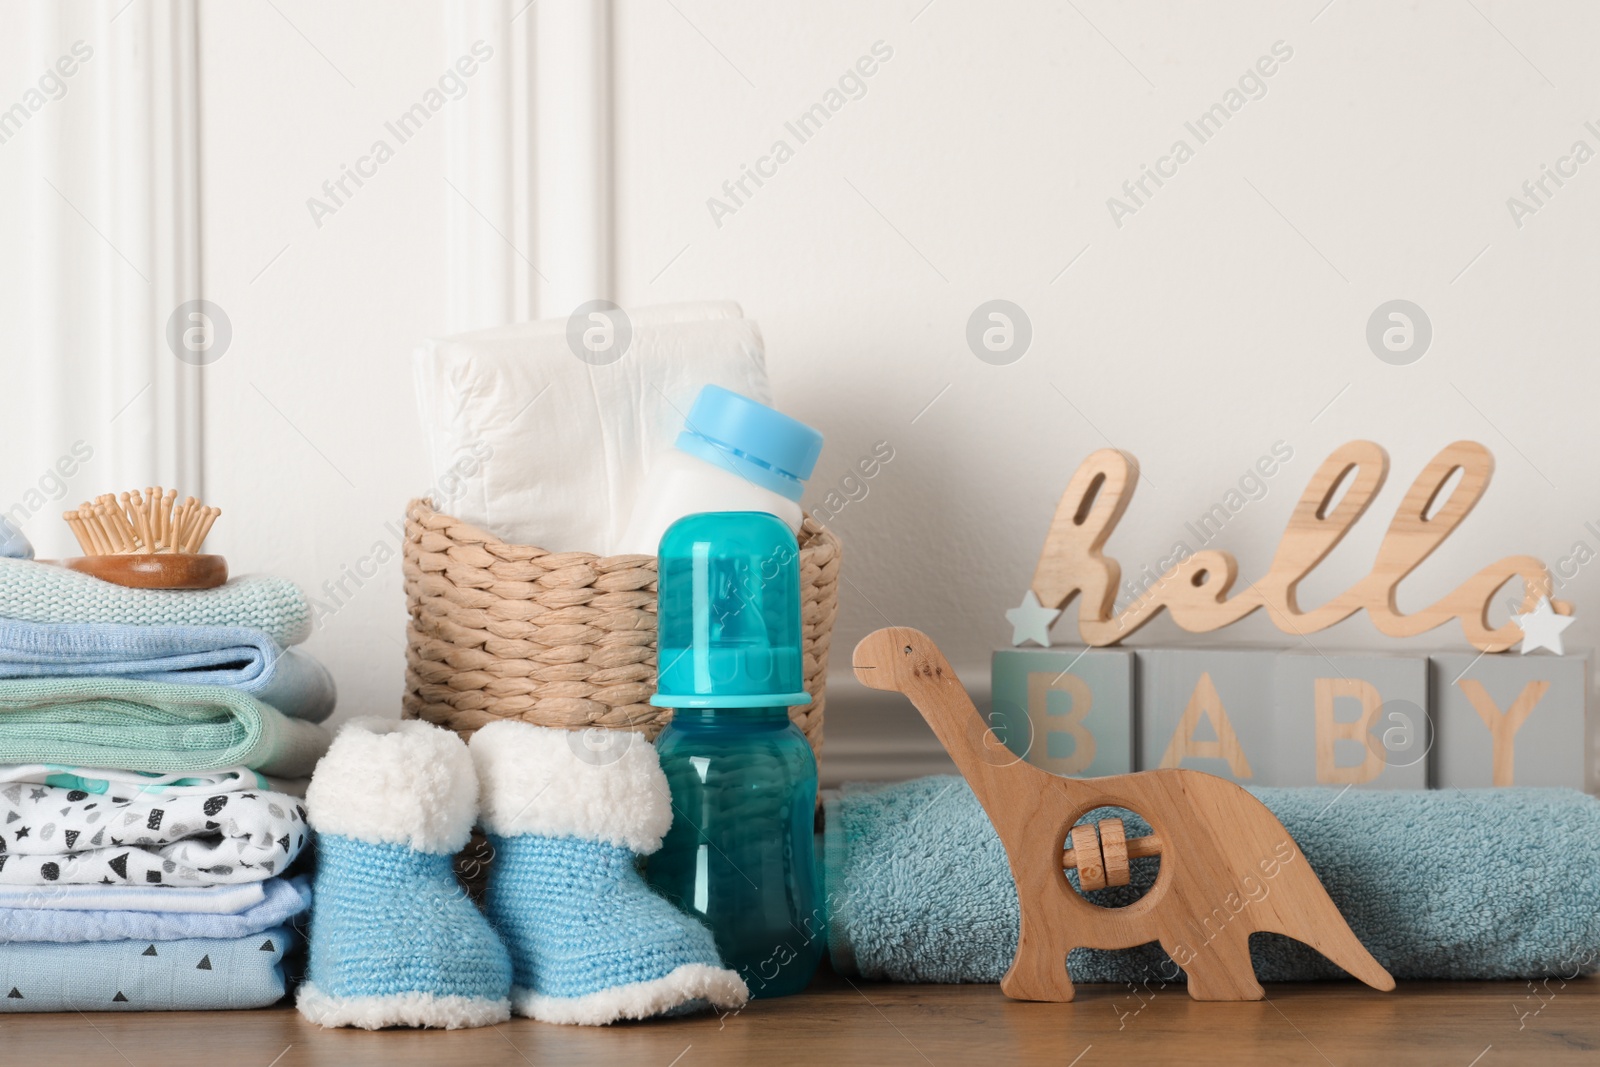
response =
{"points": [[1067, 711], [1352, 719]]}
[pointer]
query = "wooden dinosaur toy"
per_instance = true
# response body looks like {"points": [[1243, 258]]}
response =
{"points": [[1228, 866]]}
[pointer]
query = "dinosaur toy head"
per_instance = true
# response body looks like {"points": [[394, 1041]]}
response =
{"points": [[894, 656], [874, 659]]}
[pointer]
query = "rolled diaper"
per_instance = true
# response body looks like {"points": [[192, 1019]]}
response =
{"points": [[540, 447], [1479, 884]]}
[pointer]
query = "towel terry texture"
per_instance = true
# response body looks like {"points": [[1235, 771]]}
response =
{"points": [[282, 900], [151, 726], [40, 592], [50, 834], [920, 890], [194, 974], [234, 656]]}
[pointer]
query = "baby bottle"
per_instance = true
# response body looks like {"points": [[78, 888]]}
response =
{"points": [[739, 856]]}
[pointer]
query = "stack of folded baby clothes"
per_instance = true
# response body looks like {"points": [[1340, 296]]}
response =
{"points": [[150, 747]]}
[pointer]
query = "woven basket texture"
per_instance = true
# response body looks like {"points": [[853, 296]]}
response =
{"points": [[565, 639]]}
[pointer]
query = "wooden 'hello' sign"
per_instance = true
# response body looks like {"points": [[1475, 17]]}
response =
{"points": [[1195, 590]]}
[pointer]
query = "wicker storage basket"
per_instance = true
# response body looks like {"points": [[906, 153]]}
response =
{"points": [[568, 639]]}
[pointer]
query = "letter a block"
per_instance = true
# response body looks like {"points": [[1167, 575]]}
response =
{"points": [[1207, 710], [1508, 719], [1351, 719], [1068, 711]]}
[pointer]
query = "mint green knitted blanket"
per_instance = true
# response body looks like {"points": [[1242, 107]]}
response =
{"points": [[151, 726], [40, 592]]}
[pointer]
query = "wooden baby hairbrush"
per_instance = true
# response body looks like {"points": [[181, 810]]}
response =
{"points": [[146, 540]]}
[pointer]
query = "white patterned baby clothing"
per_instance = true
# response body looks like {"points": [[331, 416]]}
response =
{"points": [[56, 835]]}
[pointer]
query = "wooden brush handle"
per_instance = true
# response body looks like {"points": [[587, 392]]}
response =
{"points": [[152, 571]]}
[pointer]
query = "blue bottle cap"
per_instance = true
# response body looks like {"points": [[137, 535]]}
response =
{"points": [[761, 445], [728, 633]]}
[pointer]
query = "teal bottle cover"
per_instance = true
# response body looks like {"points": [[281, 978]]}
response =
{"points": [[729, 623]]}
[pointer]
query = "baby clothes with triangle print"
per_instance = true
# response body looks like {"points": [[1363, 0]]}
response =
{"points": [[55, 835]]}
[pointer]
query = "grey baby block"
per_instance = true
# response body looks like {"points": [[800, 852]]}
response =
{"points": [[1350, 719], [1207, 710], [1510, 720], [1297, 718], [1065, 710]]}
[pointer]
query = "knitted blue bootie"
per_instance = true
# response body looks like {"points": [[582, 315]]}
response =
{"points": [[394, 940], [590, 942]]}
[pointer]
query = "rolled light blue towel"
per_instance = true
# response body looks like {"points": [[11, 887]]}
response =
{"points": [[233, 656], [41, 592], [1478, 884]]}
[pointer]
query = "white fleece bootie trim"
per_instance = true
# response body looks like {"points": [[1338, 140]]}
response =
{"points": [[600, 785], [400, 1009], [719, 988], [395, 782]]}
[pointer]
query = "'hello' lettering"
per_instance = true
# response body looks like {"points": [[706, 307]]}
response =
{"points": [[1196, 589]]}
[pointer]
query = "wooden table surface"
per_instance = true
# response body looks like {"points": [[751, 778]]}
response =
{"points": [[840, 1022]]}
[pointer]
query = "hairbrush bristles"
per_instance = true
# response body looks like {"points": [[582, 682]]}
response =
{"points": [[138, 522]]}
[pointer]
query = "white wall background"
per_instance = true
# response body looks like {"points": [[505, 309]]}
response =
{"points": [[1226, 315]]}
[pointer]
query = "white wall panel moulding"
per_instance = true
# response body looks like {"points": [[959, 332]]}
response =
{"points": [[116, 241], [528, 162]]}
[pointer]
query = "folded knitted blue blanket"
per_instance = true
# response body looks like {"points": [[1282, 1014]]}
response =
{"points": [[282, 899], [235, 656], [41, 592], [196, 974], [920, 891]]}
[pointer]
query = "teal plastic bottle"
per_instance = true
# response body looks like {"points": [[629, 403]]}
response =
{"points": [[739, 855]]}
